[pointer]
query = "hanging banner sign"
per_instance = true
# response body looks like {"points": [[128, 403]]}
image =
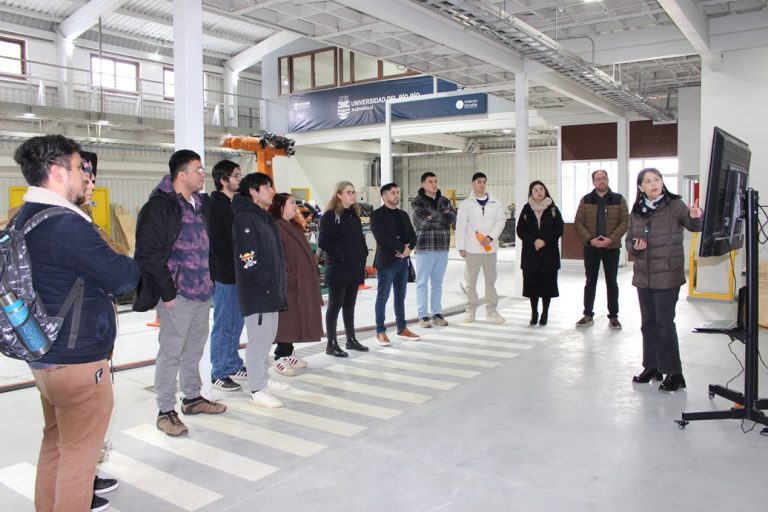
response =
{"points": [[365, 104]]}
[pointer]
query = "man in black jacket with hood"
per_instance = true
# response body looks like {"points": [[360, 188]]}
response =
{"points": [[262, 281], [227, 320]]}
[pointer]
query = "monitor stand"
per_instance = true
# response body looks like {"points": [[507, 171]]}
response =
{"points": [[751, 407]]}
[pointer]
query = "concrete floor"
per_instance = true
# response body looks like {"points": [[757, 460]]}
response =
{"points": [[472, 418]]}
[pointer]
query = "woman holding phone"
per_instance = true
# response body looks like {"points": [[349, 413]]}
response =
{"points": [[655, 239]]}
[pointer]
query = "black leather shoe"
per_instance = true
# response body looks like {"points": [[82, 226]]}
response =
{"points": [[647, 375], [333, 349], [534, 318], [353, 344], [544, 318], [672, 382]]}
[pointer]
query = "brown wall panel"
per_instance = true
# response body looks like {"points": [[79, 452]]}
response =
{"points": [[589, 142], [647, 140], [571, 246]]}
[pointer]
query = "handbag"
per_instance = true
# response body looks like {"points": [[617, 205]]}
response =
{"points": [[411, 272]]}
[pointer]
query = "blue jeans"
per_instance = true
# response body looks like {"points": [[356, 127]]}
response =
{"points": [[430, 266], [394, 276], [225, 335]]}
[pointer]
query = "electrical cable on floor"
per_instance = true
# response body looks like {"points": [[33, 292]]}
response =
{"points": [[762, 235], [730, 348]]}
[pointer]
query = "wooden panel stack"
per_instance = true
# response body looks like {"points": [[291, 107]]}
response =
{"points": [[124, 226]]}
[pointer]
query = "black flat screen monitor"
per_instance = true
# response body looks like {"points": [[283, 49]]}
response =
{"points": [[723, 211]]}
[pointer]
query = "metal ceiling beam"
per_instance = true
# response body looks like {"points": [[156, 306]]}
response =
{"points": [[86, 17], [561, 85], [254, 54], [442, 140], [405, 14], [691, 21]]}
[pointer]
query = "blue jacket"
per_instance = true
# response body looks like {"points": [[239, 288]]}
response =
{"points": [[62, 249]]}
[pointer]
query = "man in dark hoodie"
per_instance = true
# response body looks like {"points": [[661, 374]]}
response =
{"points": [[226, 363], [432, 214], [172, 252], [262, 281]]}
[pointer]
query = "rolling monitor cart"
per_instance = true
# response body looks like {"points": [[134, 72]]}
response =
{"points": [[729, 203]]}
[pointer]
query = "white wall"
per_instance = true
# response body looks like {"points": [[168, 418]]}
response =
{"points": [[319, 170], [734, 98]]}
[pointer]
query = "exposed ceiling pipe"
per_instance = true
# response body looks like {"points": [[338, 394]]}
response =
{"points": [[494, 23]]}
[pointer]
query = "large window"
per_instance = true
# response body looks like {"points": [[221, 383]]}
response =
{"points": [[169, 87], [667, 166], [12, 56], [577, 181], [115, 74]]}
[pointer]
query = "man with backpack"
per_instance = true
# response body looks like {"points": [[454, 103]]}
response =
{"points": [[75, 273]]}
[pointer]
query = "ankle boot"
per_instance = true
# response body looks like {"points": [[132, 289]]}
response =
{"points": [[672, 382], [647, 375], [544, 318], [353, 344], [332, 348], [534, 317]]}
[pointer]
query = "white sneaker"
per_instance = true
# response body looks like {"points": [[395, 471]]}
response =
{"points": [[495, 318], [276, 385], [469, 318], [297, 362], [283, 367], [264, 399]]}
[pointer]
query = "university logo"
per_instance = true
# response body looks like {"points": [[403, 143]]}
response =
{"points": [[343, 108], [459, 105]]}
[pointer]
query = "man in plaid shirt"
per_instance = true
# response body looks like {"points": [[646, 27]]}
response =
{"points": [[432, 215]]}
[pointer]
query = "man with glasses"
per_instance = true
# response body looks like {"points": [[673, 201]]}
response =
{"points": [[601, 220], [172, 251], [227, 321]]}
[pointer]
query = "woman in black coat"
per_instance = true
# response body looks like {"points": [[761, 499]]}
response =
{"points": [[341, 237], [539, 227]]}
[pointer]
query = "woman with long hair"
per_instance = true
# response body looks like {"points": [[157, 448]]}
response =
{"points": [[540, 226], [341, 237], [655, 239], [303, 320]]}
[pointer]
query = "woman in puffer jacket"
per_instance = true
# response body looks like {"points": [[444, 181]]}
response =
{"points": [[655, 239]]}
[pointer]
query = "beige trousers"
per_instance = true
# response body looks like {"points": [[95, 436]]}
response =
{"points": [[486, 262]]}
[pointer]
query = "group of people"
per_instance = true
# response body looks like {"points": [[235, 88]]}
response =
{"points": [[240, 251]]}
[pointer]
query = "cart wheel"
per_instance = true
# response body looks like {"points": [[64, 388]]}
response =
{"points": [[681, 424]]}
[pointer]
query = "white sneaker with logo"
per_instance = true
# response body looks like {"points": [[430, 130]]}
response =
{"points": [[264, 399]]}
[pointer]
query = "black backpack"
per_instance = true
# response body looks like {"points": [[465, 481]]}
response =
{"points": [[16, 277]]}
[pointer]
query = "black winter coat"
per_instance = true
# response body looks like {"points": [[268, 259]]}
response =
{"points": [[222, 256], [261, 274], [387, 235], [157, 228], [344, 245], [548, 257]]}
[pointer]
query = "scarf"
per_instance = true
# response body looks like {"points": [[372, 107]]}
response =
{"points": [[46, 196], [538, 208]]}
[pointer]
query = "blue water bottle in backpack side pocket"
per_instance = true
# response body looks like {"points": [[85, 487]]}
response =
{"points": [[25, 325]]}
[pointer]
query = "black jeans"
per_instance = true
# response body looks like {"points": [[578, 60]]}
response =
{"points": [[660, 346], [341, 297], [283, 350], [593, 256]]}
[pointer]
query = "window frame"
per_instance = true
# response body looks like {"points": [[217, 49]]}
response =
{"points": [[115, 60], [22, 43], [165, 96]]}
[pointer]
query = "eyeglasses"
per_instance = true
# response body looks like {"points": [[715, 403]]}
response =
{"points": [[200, 170]]}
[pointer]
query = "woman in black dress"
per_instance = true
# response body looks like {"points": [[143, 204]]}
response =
{"points": [[539, 227], [341, 237]]}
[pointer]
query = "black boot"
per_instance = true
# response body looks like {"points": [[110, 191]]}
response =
{"points": [[544, 318], [647, 375], [353, 344], [333, 348], [672, 382], [534, 318]]}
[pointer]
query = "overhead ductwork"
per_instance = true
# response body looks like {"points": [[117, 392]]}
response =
{"points": [[492, 22]]}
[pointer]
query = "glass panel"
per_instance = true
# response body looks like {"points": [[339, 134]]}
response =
{"points": [[366, 68], [302, 73], [10, 57], [325, 69], [285, 80], [125, 74], [169, 89], [389, 69], [346, 66]]}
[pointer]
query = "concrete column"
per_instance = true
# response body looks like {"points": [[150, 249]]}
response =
{"points": [[188, 69], [230, 98], [386, 147], [65, 49], [625, 181], [521, 164]]}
